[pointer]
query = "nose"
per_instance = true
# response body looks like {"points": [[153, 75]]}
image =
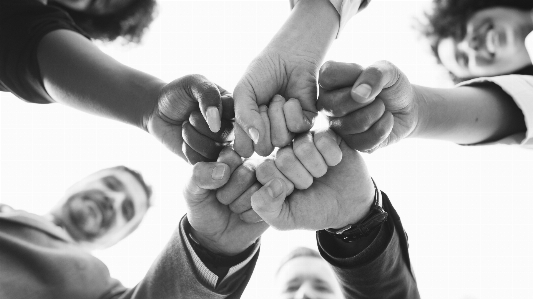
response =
{"points": [[304, 292]]}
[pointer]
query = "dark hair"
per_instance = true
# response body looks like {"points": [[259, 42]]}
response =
{"points": [[298, 252], [137, 175], [129, 23], [448, 18]]}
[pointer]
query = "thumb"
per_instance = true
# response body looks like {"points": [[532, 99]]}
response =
{"points": [[269, 203], [206, 177], [375, 78], [189, 93]]}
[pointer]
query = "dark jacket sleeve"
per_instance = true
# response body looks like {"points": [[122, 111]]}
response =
{"points": [[378, 266], [173, 275]]}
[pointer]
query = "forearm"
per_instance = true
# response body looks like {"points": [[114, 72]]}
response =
{"points": [[309, 31], [76, 73], [467, 115]]}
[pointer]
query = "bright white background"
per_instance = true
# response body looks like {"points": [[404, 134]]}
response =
{"points": [[467, 210]]}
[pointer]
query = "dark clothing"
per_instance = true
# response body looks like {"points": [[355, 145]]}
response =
{"points": [[23, 23], [39, 260], [379, 266]]}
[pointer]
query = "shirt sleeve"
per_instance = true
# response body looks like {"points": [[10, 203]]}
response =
{"points": [[346, 9], [23, 23], [209, 277], [375, 266], [520, 89]]}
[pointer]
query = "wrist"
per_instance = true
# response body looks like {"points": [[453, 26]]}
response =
{"points": [[422, 109], [153, 92], [309, 31], [366, 202]]}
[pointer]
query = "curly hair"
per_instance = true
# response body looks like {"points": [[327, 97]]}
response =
{"points": [[448, 18], [130, 23]]}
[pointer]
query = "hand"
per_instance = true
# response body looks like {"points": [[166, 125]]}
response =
{"points": [[288, 66], [369, 108], [342, 196], [309, 157], [216, 227], [197, 111]]}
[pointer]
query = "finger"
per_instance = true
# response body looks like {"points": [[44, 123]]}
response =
{"points": [[192, 92], [268, 171], [264, 146], [241, 179], [228, 106], [358, 121], [338, 102], [250, 216], [268, 203], [305, 150], [327, 144], [229, 157], [243, 145], [373, 80], [205, 177], [193, 156], [244, 201], [225, 134], [200, 143], [291, 167], [297, 121], [374, 136], [247, 113], [279, 134], [335, 75]]}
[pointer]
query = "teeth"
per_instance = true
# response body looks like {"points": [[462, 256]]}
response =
{"points": [[490, 40]]}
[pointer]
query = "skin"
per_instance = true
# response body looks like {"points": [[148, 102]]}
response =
{"points": [[396, 109], [493, 44], [102, 209], [307, 277], [287, 66], [77, 74]]}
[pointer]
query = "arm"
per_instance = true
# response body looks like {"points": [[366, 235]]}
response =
{"points": [[287, 66], [393, 108], [375, 266]]}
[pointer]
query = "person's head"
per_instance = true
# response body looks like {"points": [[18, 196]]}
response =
{"points": [[304, 274], [109, 19], [104, 207], [480, 38]]}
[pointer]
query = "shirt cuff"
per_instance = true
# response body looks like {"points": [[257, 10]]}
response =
{"points": [[346, 9], [205, 274], [519, 88]]}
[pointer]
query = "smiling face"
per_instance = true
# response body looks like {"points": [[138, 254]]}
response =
{"points": [[493, 44], [307, 277], [103, 208]]}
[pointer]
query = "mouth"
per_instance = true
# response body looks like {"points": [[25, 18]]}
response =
{"points": [[90, 214]]}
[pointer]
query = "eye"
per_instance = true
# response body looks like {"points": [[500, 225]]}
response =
{"points": [[128, 210], [462, 59], [113, 183]]}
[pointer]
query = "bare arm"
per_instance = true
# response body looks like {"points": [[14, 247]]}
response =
{"points": [[76, 73], [467, 115]]}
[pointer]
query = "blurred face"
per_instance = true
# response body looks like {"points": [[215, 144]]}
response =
{"points": [[493, 44], [103, 208], [309, 278], [95, 7]]}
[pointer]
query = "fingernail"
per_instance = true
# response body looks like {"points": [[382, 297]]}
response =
{"points": [[363, 90], [275, 188], [213, 119], [254, 134], [218, 172]]}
